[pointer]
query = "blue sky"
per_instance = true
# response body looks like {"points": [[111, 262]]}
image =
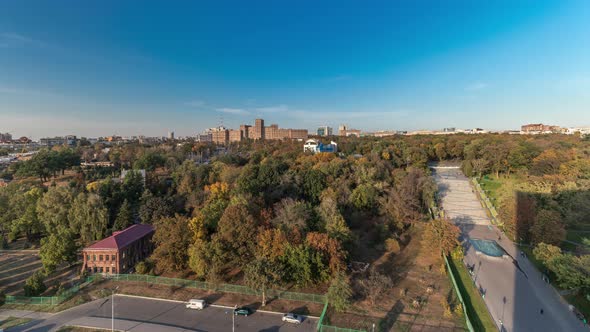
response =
{"points": [[146, 67]]}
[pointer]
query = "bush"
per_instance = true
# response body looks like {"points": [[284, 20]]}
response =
{"points": [[144, 267], [392, 246], [34, 286]]}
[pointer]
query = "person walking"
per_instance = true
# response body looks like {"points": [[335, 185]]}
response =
{"points": [[541, 311]]}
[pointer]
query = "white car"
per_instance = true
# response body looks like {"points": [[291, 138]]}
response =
{"points": [[292, 318]]}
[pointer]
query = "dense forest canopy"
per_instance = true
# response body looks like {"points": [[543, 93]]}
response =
{"points": [[267, 208]]}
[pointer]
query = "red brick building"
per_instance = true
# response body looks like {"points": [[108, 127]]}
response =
{"points": [[119, 252]]}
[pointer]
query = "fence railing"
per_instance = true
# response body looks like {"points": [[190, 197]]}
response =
{"points": [[328, 328], [48, 300], [226, 288], [483, 197], [459, 295]]}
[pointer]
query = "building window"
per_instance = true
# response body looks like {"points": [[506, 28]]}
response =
{"points": [[93, 258], [113, 257], [107, 268], [106, 257], [87, 258], [94, 269], [114, 270], [100, 269], [89, 270], [100, 258]]}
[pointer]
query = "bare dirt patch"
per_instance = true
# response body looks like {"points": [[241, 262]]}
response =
{"points": [[415, 302]]}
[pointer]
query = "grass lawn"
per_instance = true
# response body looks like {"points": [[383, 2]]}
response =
{"points": [[80, 329], [475, 306], [491, 187], [580, 302], [12, 322]]}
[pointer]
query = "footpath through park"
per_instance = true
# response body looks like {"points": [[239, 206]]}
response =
{"points": [[512, 288]]}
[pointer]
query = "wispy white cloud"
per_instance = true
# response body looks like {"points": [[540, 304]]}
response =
{"points": [[11, 39], [195, 103], [235, 111], [476, 86], [4, 89], [273, 109]]}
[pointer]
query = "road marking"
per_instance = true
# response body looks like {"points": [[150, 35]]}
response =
{"points": [[210, 305]]}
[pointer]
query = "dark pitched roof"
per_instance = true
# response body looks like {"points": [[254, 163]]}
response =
{"points": [[123, 238]]}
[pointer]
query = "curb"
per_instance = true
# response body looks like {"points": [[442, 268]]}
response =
{"points": [[210, 305], [93, 327]]}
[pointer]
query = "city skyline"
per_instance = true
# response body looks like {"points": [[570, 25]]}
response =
{"points": [[95, 70]]}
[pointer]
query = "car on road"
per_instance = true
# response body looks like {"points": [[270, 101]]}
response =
{"points": [[196, 304], [292, 318], [243, 311]]}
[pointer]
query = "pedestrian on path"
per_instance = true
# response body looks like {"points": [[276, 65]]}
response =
{"points": [[541, 311]]}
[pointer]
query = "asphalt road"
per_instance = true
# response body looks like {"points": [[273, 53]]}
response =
{"points": [[514, 290], [151, 315]]}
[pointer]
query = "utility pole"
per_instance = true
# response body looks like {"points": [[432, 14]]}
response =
{"points": [[113, 308]]}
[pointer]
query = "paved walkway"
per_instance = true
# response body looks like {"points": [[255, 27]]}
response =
{"points": [[514, 290]]}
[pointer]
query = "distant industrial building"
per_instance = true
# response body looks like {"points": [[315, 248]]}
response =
{"points": [[315, 146], [324, 131], [343, 130], [539, 128], [119, 252]]}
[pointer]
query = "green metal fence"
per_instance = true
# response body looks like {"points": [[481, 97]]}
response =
{"points": [[327, 328], [486, 202], [49, 300], [459, 295], [225, 288]]}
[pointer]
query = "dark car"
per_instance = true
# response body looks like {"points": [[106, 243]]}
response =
{"points": [[243, 311]]}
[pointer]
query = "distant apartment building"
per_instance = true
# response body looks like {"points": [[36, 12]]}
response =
{"points": [[171, 135], [258, 131], [236, 135], [5, 138], [70, 140], [119, 252], [219, 135], [539, 128], [343, 130], [246, 131], [204, 138], [324, 131]]}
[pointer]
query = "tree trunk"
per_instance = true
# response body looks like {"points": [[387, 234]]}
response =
{"points": [[263, 297]]}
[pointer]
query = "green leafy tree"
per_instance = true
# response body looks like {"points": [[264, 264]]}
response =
{"points": [[35, 284], [333, 220], [339, 292], [172, 239], [124, 217], [237, 231], [88, 217], [58, 248], [53, 208], [263, 274], [24, 207], [548, 228], [153, 208]]}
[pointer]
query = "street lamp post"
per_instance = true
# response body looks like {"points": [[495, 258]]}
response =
{"points": [[113, 308]]}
